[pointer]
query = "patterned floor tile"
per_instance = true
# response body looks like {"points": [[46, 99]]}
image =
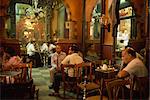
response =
{"points": [[41, 80]]}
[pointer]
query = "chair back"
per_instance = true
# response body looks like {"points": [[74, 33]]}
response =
{"points": [[86, 84], [141, 86], [17, 91], [26, 72], [65, 68], [85, 70], [115, 88], [68, 82], [30, 70]]}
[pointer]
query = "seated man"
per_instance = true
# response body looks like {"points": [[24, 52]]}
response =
{"points": [[72, 58], [134, 67], [56, 60]]}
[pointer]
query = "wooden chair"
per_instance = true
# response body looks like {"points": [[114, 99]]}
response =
{"points": [[26, 73], [69, 83], [102, 84], [26, 77], [86, 73], [142, 90], [97, 97], [115, 88], [35, 90], [29, 75], [17, 90]]}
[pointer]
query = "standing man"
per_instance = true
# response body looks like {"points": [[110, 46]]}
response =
{"points": [[31, 51], [44, 51], [51, 50], [72, 58], [44, 47], [56, 60]]}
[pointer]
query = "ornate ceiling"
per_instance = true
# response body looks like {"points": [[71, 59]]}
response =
{"points": [[40, 2]]}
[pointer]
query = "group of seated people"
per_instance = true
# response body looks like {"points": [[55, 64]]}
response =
{"points": [[58, 58], [10, 61], [132, 65], [40, 53]]}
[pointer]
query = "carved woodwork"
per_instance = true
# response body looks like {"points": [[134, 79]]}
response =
{"points": [[13, 43], [139, 7], [3, 7]]}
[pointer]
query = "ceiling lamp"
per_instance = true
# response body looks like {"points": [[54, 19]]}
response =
{"points": [[35, 12]]}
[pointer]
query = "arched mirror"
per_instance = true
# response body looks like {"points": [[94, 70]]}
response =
{"points": [[58, 20], [95, 22], [30, 22], [40, 21]]}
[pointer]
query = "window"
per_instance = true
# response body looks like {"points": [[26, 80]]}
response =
{"points": [[127, 21]]}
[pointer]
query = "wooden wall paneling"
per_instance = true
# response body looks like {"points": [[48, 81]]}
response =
{"points": [[137, 44], [13, 43], [107, 52], [66, 43]]}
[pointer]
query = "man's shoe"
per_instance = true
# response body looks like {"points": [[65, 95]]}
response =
{"points": [[50, 86]]}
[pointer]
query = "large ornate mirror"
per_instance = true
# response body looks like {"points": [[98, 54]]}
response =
{"points": [[95, 22]]}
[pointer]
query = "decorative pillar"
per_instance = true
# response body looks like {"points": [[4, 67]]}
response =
{"points": [[102, 29], [13, 19], [70, 30], [3, 17], [84, 33], [48, 22], [116, 21], [2, 27]]}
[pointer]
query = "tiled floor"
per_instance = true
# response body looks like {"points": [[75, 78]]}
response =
{"points": [[41, 80]]}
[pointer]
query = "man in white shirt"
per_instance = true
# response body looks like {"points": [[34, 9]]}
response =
{"points": [[51, 47], [31, 51], [44, 51], [51, 50], [56, 60], [44, 47], [30, 48], [72, 58], [134, 67]]}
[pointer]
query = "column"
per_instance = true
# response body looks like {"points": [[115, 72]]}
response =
{"points": [[13, 20], [84, 33]]}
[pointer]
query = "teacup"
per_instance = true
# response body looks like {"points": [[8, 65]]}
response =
{"points": [[104, 67]]}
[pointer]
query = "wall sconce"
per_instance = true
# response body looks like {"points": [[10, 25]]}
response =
{"points": [[105, 22]]}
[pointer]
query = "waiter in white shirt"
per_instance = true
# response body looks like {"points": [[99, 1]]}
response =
{"points": [[44, 51], [31, 51]]}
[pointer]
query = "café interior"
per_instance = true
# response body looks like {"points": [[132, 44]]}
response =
{"points": [[110, 25]]}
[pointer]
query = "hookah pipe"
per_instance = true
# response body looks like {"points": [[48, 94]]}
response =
{"points": [[84, 90]]}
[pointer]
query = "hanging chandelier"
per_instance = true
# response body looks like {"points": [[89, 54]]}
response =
{"points": [[34, 12]]}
